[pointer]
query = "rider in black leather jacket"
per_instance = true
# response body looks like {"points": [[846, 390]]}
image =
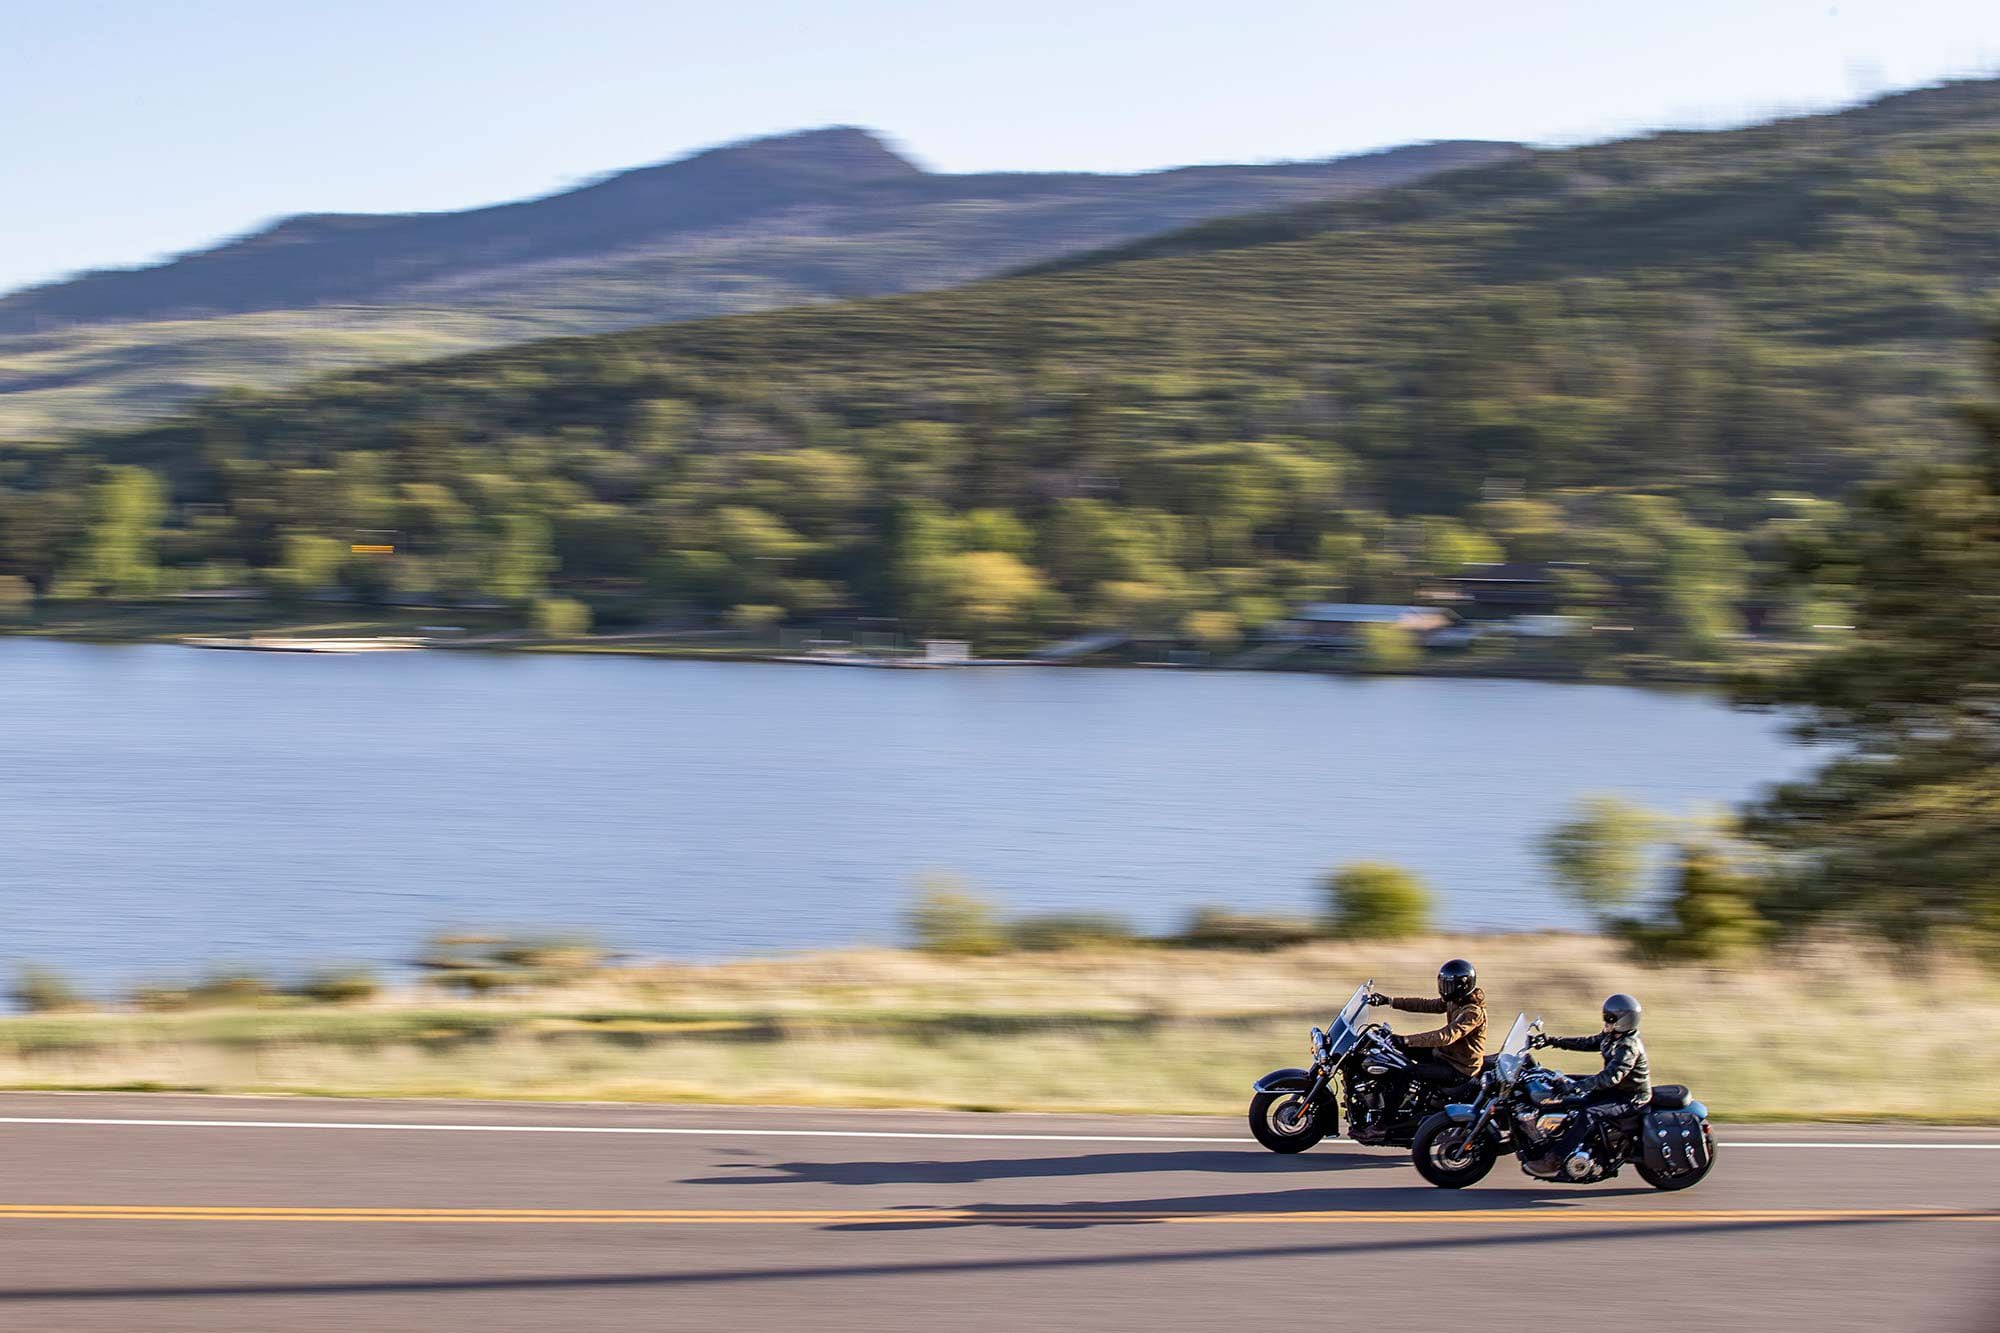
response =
{"points": [[1624, 1085]]}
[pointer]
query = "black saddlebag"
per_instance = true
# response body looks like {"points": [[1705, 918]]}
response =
{"points": [[1674, 1143]]}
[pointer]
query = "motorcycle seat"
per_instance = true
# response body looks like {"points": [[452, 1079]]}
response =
{"points": [[1669, 1097]]}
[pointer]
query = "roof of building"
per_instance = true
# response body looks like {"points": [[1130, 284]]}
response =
{"points": [[1362, 613], [1513, 571]]}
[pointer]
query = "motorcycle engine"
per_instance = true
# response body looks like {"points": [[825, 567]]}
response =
{"points": [[1582, 1165], [1536, 1127]]}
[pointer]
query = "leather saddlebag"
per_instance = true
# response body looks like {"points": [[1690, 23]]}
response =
{"points": [[1674, 1142]]}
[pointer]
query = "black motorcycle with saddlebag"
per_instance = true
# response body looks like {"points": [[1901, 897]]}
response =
{"points": [[1520, 1108], [1357, 1064]]}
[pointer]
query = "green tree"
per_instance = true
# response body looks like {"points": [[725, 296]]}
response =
{"points": [[311, 564], [561, 618], [984, 591], [1387, 648], [1600, 856], [522, 558], [117, 557], [1902, 829], [1373, 900]]}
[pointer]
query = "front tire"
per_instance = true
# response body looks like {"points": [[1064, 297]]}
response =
{"points": [[1448, 1156], [1693, 1178], [1286, 1122]]}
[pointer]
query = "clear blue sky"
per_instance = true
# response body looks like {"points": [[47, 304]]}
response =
{"points": [[137, 128]]}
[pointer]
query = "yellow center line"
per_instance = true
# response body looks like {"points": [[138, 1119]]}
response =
{"points": [[998, 1216]]}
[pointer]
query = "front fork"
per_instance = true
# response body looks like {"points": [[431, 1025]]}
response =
{"points": [[1322, 1086], [1479, 1124]]}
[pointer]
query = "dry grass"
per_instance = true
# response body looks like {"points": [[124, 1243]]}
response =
{"points": [[1827, 1032]]}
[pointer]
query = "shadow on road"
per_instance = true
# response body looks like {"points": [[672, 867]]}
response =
{"points": [[963, 1172], [1567, 1234], [1072, 1215]]}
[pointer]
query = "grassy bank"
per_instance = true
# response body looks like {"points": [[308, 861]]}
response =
{"points": [[1830, 1033], [497, 631]]}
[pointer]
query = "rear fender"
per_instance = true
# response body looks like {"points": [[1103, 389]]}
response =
{"points": [[1285, 1080]]}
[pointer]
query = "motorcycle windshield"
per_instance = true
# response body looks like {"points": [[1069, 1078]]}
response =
{"points": [[1346, 1029], [1517, 1037]]}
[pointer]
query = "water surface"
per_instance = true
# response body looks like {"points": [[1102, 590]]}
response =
{"points": [[162, 808]]}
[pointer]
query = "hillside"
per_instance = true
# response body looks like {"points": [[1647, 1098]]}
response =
{"points": [[800, 218], [1639, 360]]}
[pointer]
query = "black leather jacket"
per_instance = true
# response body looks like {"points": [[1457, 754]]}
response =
{"points": [[1625, 1073]]}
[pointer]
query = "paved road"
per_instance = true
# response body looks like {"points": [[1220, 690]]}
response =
{"points": [[300, 1215]]}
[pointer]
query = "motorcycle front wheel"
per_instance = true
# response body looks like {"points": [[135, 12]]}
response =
{"points": [[1448, 1156], [1285, 1121]]}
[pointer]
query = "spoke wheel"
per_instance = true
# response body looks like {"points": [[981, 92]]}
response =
{"points": [[1285, 1121], [1448, 1156]]}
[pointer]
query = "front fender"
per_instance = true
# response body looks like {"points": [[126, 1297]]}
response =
{"points": [[1461, 1114], [1285, 1080]]}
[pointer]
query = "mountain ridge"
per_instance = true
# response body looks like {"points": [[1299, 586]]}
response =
{"points": [[730, 182], [761, 224]]}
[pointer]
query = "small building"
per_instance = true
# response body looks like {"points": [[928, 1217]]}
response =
{"points": [[1498, 591], [1338, 622]]}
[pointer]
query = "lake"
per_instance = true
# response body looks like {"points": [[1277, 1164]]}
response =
{"points": [[165, 808]]}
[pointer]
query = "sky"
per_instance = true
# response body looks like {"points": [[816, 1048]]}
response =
{"points": [[134, 129]]}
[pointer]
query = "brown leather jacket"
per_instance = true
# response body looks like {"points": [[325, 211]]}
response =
{"points": [[1461, 1042]]}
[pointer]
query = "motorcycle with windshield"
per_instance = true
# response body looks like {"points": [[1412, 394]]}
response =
{"points": [[1519, 1110], [1292, 1109]]}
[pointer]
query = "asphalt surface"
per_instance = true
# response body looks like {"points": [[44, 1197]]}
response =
{"points": [[301, 1214]]}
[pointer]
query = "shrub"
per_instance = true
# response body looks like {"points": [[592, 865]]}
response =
{"points": [[560, 618], [949, 920], [478, 962], [231, 986], [1215, 631], [755, 617], [1069, 930], [222, 988], [42, 990], [1371, 900], [160, 997], [17, 598], [1386, 648], [1713, 913], [341, 985], [1707, 904], [1220, 928]]}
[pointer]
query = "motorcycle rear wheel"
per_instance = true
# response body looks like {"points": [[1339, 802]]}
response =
{"points": [[1692, 1178], [1447, 1156], [1283, 1122]]}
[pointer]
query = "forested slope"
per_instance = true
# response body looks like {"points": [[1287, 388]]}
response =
{"points": [[1644, 360]]}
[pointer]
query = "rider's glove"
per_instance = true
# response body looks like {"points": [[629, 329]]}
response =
{"points": [[1378, 999], [1536, 1041]]}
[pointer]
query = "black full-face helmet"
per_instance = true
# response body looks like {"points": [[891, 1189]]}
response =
{"points": [[1621, 1014], [1456, 980]]}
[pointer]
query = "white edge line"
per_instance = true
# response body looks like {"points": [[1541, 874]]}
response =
{"points": [[405, 1127]]}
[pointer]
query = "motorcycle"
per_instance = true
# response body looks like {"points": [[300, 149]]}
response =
{"points": [[1293, 1109], [1519, 1110]]}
